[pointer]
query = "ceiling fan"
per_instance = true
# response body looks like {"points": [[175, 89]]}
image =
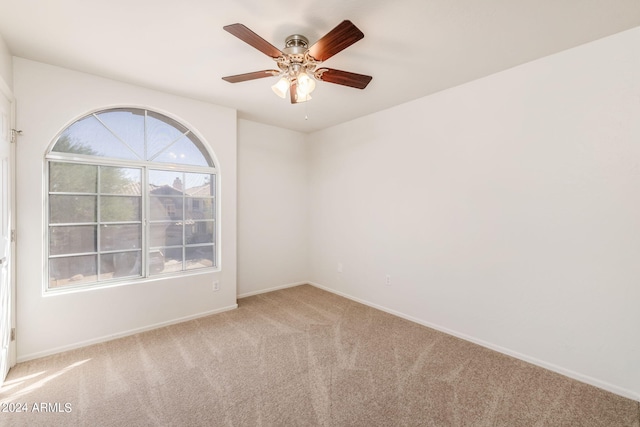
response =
{"points": [[297, 62]]}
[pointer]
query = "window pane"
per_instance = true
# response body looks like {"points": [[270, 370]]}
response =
{"points": [[90, 137], [126, 181], [173, 235], [165, 183], [166, 208], [165, 260], [120, 237], [156, 262], [199, 232], [72, 209], [199, 257], [165, 234], [128, 124], [119, 208], [72, 178], [183, 151], [161, 132], [199, 184], [72, 270], [199, 208], [157, 234], [72, 239], [120, 264]]}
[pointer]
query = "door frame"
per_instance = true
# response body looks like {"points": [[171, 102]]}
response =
{"points": [[6, 92]]}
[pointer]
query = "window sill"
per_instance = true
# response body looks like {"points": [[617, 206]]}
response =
{"points": [[126, 282]]}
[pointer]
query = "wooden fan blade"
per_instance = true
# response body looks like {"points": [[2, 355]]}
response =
{"points": [[251, 76], [251, 38], [340, 38], [345, 78]]}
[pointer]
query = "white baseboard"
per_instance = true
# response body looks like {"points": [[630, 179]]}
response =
{"points": [[122, 334], [275, 288], [629, 394]]}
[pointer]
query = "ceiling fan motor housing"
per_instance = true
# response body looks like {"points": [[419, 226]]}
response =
{"points": [[295, 59], [295, 44]]}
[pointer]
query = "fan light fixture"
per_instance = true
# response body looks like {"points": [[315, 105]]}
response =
{"points": [[281, 87], [294, 68], [304, 85]]}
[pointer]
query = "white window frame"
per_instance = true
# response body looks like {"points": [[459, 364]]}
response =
{"points": [[145, 166]]}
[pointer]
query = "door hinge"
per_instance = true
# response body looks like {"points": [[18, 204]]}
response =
{"points": [[15, 134], [13, 334], [13, 236]]}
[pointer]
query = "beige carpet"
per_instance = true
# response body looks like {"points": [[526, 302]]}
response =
{"points": [[300, 357]]}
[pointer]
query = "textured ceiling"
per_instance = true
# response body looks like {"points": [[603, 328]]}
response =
{"points": [[412, 48]]}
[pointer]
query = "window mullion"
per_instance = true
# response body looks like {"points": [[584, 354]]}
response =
{"points": [[145, 218], [98, 232], [184, 222], [146, 152]]}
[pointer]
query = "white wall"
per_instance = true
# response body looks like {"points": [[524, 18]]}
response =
{"points": [[272, 208], [48, 100], [506, 211]]}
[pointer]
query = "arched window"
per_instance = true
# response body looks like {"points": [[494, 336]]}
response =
{"points": [[131, 194]]}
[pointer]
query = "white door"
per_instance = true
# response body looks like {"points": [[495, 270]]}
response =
{"points": [[7, 354]]}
